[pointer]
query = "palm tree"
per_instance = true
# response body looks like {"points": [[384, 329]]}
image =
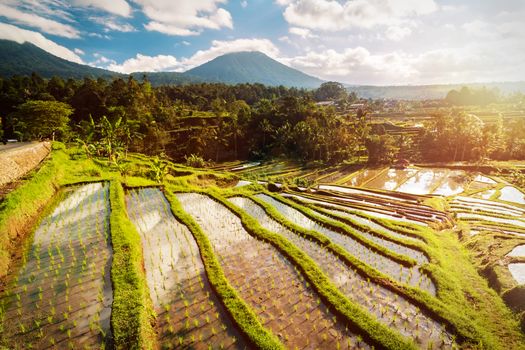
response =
{"points": [[266, 128]]}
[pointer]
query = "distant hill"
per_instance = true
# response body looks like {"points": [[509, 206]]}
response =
{"points": [[252, 67], [233, 68], [26, 58], [428, 92], [241, 67]]}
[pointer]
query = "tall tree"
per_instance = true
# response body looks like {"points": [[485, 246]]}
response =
{"points": [[330, 90], [381, 149], [43, 119]]}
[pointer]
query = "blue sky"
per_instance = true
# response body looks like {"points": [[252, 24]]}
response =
{"points": [[383, 42]]}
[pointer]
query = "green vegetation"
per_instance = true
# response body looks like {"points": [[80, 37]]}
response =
{"points": [[42, 119], [466, 96], [246, 121], [128, 132], [20, 209], [472, 312], [131, 315]]}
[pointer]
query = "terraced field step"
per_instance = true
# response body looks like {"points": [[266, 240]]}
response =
{"points": [[387, 244], [268, 282], [365, 226], [61, 296], [487, 204], [412, 276], [382, 208], [390, 308], [351, 212], [189, 314]]}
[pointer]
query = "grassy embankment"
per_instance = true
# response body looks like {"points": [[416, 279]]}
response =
{"points": [[132, 312]]}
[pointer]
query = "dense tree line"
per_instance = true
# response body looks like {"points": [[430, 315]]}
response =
{"points": [[214, 121], [465, 137], [218, 122], [468, 97]]}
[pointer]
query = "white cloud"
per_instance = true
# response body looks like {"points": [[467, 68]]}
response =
{"points": [[185, 17], [468, 64], [144, 63], [100, 36], [356, 65], [79, 51], [481, 29], [332, 15], [453, 8], [124, 27], [11, 32], [302, 32], [168, 29], [44, 24], [244, 4], [285, 39], [45, 8], [112, 24], [476, 28], [116, 7], [101, 61], [397, 33]]}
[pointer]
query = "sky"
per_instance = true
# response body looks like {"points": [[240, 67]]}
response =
{"points": [[375, 42]]}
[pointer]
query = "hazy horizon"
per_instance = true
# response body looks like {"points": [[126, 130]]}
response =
{"points": [[378, 42]]}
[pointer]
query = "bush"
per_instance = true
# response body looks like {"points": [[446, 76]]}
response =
{"points": [[57, 146], [158, 169], [195, 161], [76, 154], [302, 182]]}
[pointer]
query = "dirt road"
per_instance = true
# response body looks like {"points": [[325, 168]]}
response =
{"points": [[17, 159]]}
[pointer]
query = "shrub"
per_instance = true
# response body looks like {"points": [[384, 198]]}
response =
{"points": [[195, 161]]}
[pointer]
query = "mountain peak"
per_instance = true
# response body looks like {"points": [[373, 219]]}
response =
{"points": [[252, 67], [254, 53]]}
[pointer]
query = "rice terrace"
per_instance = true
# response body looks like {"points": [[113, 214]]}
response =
{"points": [[205, 259], [291, 174]]}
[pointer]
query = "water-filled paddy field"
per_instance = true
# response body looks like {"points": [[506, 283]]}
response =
{"points": [[61, 294], [369, 262]]}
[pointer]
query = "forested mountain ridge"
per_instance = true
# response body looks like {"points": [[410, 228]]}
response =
{"points": [[26, 58], [240, 67]]}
